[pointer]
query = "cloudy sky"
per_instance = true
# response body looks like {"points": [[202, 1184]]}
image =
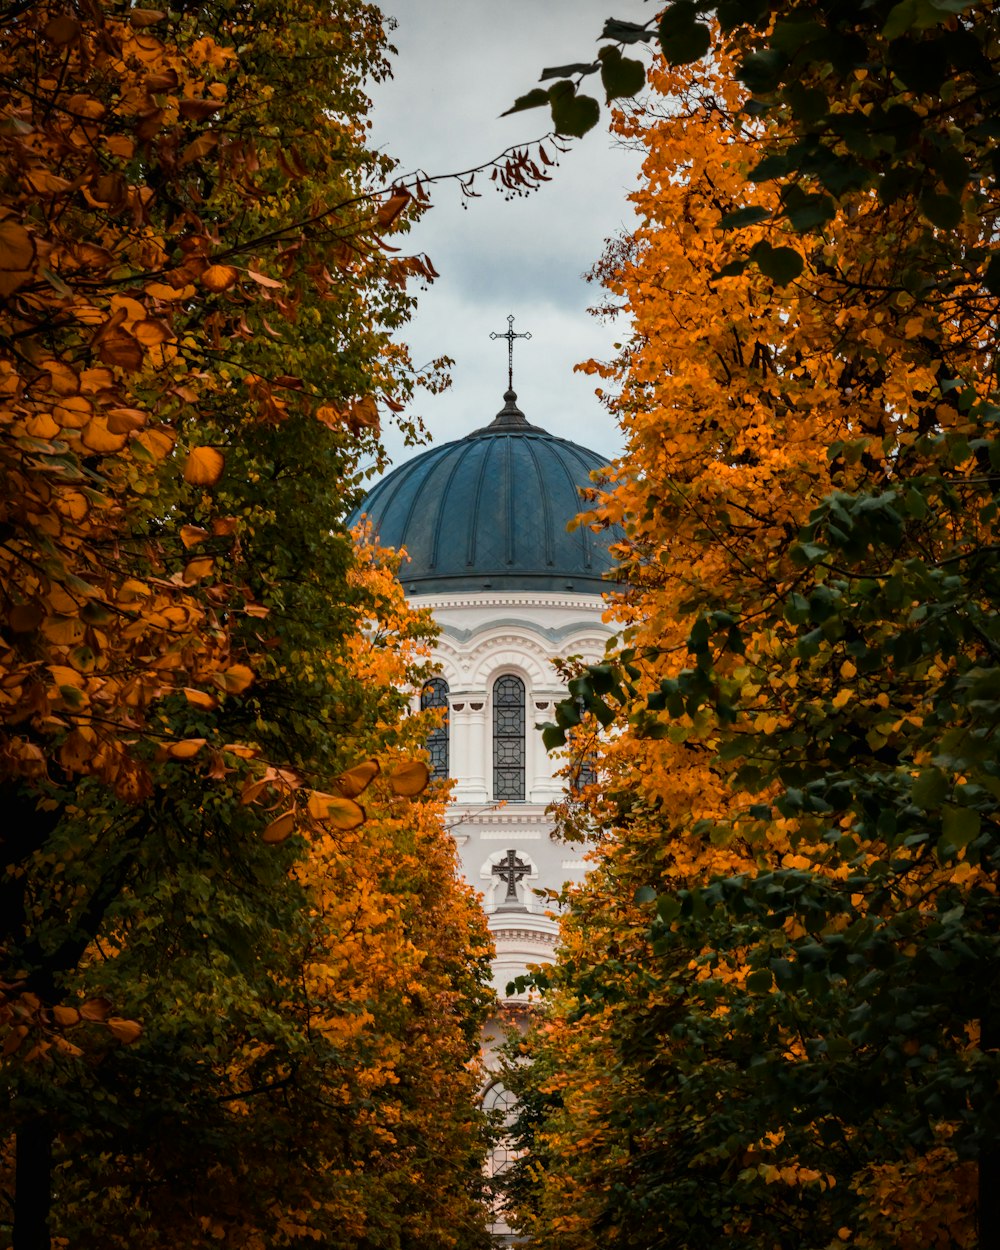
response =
{"points": [[460, 63]]}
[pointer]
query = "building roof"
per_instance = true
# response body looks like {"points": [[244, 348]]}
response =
{"points": [[490, 511]]}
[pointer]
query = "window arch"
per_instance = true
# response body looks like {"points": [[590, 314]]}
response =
{"points": [[435, 694], [508, 738]]}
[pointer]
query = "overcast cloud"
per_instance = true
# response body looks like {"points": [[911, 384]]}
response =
{"points": [[460, 64]]}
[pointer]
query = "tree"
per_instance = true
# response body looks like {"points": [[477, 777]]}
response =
{"points": [[774, 1019], [199, 314]]}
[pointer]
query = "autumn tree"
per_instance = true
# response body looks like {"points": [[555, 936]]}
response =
{"points": [[198, 311], [775, 1019]]}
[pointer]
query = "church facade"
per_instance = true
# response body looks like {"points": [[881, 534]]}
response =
{"points": [[484, 522]]}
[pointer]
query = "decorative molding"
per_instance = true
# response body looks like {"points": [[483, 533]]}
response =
{"points": [[553, 633], [513, 599], [533, 936]]}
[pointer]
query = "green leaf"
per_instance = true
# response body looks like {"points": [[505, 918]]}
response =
{"points": [[562, 71], [901, 17], [730, 270], [621, 76], [682, 37], [943, 211], [625, 32], [553, 737], [805, 211], [534, 99], [808, 104], [761, 71], [991, 278], [572, 114], [644, 894], [791, 33], [960, 825], [668, 908], [930, 788], [760, 981], [777, 165], [749, 216], [781, 264]]}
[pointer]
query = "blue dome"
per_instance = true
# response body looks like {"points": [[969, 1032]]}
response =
{"points": [[489, 512]]}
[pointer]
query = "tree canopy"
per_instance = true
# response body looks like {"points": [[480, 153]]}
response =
{"points": [[240, 984], [774, 1020]]}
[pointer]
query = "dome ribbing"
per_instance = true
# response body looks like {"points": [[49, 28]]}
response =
{"points": [[489, 512]]}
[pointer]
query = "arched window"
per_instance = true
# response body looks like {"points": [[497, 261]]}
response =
{"points": [[435, 694], [508, 738], [501, 1106]]}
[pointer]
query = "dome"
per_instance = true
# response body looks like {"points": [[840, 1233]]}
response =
{"points": [[489, 512]]}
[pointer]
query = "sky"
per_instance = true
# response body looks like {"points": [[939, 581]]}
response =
{"points": [[460, 64]]}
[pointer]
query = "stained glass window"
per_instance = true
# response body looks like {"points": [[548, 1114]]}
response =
{"points": [[508, 738], [435, 694]]}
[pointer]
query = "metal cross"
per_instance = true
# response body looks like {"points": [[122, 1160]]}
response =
{"points": [[511, 870], [510, 336]]}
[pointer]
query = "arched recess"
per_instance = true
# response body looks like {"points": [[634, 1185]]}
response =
{"points": [[434, 695], [497, 873], [509, 738]]}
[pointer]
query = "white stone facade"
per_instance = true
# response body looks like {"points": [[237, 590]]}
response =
{"points": [[485, 635]]}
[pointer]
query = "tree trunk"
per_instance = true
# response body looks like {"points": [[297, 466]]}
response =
{"points": [[989, 1155], [33, 1185]]}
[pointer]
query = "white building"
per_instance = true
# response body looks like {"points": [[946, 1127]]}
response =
{"points": [[484, 522]]}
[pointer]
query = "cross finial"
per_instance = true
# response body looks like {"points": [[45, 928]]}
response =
{"points": [[510, 336]]}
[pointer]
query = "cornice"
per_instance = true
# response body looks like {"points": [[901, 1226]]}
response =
{"points": [[537, 937], [511, 599]]}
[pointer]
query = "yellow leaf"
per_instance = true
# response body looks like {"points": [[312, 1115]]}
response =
{"points": [[192, 535], [145, 17], [356, 780], [61, 30], [204, 466], [199, 698], [219, 277], [333, 809], [158, 443], [847, 670], [99, 437], [96, 1009], [252, 790], [169, 294], [186, 748], [199, 567], [124, 420], [126, 1031], [63, 676], [17, 247], [391, 209], [65, 1017], [235, 679], [280, 828], [198, 148], [410, 779], [262, 279], [152, 332], [240, 750], [42, 425], [74, 412], [66, 631]]}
